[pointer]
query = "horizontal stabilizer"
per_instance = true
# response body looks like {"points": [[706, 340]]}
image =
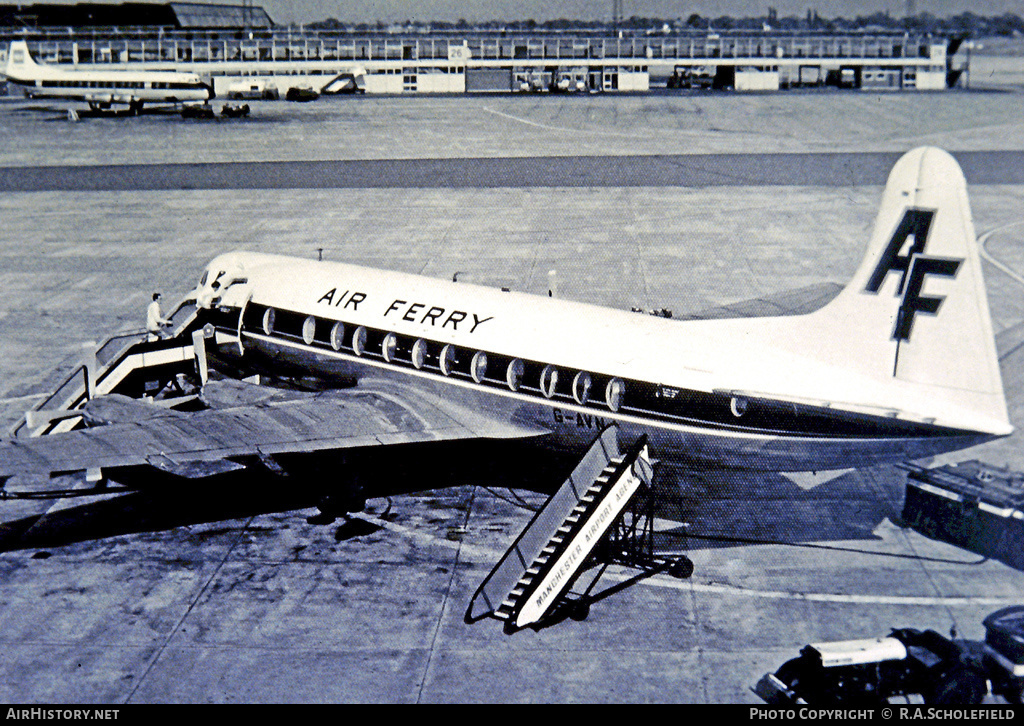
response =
{"points": [[801, 301]]}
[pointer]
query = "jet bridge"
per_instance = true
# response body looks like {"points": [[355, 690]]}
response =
{"points": [[134, 363], [602, 514]]}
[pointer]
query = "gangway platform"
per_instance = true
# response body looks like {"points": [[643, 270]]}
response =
{"points": [[593, 518], [134, 363]]}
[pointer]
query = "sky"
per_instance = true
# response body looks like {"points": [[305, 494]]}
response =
{"points": [[303, 11]]}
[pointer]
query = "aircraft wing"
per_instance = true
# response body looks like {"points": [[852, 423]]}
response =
{"points": [[245, 425]]}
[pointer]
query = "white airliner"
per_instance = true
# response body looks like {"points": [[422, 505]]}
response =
{"points": [[901, 365], [102, 89]]}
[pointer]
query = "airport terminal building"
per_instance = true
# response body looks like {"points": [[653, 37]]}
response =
{"points": [[227, 44]]}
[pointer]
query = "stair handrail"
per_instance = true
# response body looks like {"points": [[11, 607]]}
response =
{"points": [[67, 398], [468, 617]]}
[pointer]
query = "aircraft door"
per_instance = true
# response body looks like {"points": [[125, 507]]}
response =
{"points": [[241, 317], [224, 284]]}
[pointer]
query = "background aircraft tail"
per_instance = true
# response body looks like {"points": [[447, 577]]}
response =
{"points": [[916, 311], [18, 59]]}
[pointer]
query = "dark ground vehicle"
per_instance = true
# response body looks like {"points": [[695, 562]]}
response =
{"points": [[909, 662], [203, 111], [301, 94], [235, 111]]}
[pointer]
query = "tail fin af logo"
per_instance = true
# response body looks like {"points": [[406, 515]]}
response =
{"points": [[913, 266]]}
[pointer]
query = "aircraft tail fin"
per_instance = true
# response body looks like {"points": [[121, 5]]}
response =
{"points": [[19, 59], [916, 309]]}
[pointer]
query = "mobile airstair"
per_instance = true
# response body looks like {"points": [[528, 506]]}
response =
{"points": [[135, 363], [601, 515]]}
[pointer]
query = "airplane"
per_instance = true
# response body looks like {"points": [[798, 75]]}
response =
{"points": [[102, 89], [900, 365]]}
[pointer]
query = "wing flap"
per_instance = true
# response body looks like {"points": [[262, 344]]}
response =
{"points": [[197, 469]]}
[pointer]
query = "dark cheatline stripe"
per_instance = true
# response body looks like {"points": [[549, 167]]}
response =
{"points": [[697, 170]]}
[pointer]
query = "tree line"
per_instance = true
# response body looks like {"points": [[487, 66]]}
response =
{"points": [[965, 24]]}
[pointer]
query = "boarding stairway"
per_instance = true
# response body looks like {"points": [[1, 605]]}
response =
{"points": [[133, 363], [601, 514]]}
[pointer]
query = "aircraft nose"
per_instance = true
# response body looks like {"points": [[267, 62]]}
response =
{"points": [[211, 94]]}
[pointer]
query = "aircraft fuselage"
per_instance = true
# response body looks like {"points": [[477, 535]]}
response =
{"points": [[101, 88], [562, 366]]}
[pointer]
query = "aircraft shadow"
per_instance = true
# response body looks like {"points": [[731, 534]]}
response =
{"points": [[714, 509], [141, 511], [735, 508], [157, 502]]}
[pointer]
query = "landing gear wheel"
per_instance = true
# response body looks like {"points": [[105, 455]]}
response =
{"points": [[333, 506], [579, 611], [321, 518], [681, 568]]}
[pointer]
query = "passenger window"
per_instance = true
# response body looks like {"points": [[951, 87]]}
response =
{"points": [[389, 347], [548, 381], [614, 392], [581, 387], [308, 330], [337, 335], [359, 340], [419, 353], [478, 366], [447, 361], [514, 374]]}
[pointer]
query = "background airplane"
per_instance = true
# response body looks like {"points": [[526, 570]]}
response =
{"points": [[102, 89]]}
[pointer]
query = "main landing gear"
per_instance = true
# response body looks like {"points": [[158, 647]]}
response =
{"points": [[332, 506]]}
